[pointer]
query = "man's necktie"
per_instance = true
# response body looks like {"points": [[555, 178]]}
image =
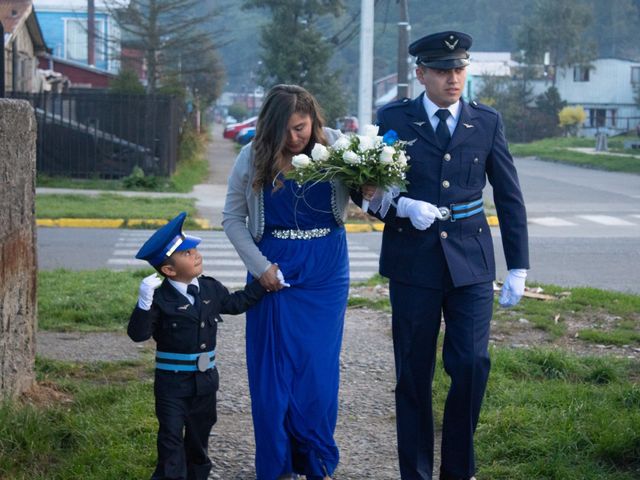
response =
{"points": [[194, 292], [442, 130]]}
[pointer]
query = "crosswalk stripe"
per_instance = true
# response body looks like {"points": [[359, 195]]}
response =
{"points": [[551, 222], [606, 220]]}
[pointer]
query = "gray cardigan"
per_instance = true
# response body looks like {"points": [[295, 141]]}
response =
{"points": [[243, 214]]}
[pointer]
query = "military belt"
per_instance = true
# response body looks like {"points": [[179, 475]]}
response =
{"points": [[459, 211], [185, 362]]}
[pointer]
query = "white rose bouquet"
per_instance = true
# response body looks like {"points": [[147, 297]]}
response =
{"points": [[356, 160]]}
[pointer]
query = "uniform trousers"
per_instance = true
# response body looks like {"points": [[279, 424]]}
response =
{"points": [[416, 318], [183, 436]]}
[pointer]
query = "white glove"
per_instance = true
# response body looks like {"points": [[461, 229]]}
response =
{"points": [[148, 285], [421, 214], [513, 287], [281, 279]]}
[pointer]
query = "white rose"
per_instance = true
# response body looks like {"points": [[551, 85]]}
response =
{"points": [[402, 158], [342, 142], [319, 153], [366, 143], [379, 141], [386, 156], [300, 161], [350, 157], [370, 130]]}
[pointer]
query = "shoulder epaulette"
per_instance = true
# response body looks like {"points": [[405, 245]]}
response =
{"points": [[481, 106]]}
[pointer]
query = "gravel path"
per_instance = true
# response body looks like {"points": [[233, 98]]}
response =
{"points": [[366, 423]]}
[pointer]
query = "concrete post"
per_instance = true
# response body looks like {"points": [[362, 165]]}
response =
{"points": [[18, 314]]}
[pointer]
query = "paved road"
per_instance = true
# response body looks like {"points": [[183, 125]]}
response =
{"points": [[584, 229]]}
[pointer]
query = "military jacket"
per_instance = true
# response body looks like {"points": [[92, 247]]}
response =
{"points": [[177, 327], [477, 151]]}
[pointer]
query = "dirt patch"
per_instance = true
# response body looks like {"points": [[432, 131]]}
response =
{"points": [[45, 395], [511, 329]]}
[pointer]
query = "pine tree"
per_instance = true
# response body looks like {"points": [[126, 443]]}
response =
{"points": [[296, 51]]}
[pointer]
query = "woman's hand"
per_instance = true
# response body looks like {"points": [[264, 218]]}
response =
{"points": [[269, 279], [368, 191]]}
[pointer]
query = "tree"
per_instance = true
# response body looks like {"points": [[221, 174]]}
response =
{"points": [[557, 27], [175, 43], [295, 50], [126, 82], [571, 118]]}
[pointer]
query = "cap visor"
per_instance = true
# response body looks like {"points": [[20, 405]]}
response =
{"points": [[446, 64], [188, 242]]}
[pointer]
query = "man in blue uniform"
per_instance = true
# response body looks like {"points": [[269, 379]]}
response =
{"points": [[182, 314], [437, 252]]}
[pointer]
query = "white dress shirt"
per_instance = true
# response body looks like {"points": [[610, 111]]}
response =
{"points": [[182, 288], [431, 109]]}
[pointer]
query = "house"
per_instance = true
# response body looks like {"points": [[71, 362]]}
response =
{"points": [[605, 89], [65, 27], [23, 41], [77, 74]]}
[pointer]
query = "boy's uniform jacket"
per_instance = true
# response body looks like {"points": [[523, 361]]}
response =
{"points": [[178, 327]]}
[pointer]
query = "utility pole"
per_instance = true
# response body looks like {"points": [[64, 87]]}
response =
{"points": [[2, 61], [403, 44], [91, 33], [365, 97]]}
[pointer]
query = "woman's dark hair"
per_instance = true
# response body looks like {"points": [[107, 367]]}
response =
{"points": [[281, 102]]}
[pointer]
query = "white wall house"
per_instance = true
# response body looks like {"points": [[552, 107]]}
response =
{"points": [[605, 91]]}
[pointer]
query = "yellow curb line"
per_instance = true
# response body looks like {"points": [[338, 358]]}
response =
{"points": [[201, 222], [111, 222]]}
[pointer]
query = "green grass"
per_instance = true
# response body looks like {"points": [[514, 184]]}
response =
{"points": [[91, 300], [546, 415], [105, 431], [556, 149], [108, 205]]}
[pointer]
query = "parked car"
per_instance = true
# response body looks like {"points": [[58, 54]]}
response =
{"points": [[347, 124], [232, 130], [245, 135]]}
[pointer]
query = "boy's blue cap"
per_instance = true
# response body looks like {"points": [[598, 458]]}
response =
{"points": [[166, 240]]}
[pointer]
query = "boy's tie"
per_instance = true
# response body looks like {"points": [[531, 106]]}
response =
{"points": [[195, 293]]}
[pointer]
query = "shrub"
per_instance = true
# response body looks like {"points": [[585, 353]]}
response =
{"points": [[571, 118]]}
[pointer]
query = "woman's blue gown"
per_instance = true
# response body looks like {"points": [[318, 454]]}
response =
{"points": [[294, 336]]}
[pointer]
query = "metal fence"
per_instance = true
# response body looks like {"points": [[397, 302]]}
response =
{"points": [[104, 135]]}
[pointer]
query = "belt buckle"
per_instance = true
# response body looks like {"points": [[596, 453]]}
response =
{"points": [[446, 213], [203, 362]]}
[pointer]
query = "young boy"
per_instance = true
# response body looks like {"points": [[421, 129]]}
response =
{"points": [[182, 316]]}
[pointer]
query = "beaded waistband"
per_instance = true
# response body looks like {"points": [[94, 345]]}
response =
{"points": [[294, 234]]}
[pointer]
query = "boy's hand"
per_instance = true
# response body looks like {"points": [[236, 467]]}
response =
{"points": [[148, 285], [281, 279]]}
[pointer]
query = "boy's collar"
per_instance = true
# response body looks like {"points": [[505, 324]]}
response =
{"points": [[181, 286]]}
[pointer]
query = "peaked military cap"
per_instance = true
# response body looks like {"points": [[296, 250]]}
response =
{"points": [[443, 50], [166, 240]]}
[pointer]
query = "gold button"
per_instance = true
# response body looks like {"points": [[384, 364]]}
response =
{"points": [[444, 235], [445, 184], [480, 230], [475, 160], [203, 346], [201, 324], [447, 157]]}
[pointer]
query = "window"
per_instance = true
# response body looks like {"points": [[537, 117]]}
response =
{"points": [[581, 74], [76, 40], [635, 75]]}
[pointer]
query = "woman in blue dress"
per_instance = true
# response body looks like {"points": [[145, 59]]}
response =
{"points": [[291, 237]]}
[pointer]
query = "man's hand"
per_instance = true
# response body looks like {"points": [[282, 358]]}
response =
{"points": [[148, 286], [269, 279], [422, 214], [513, 287], [368, 191]]}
